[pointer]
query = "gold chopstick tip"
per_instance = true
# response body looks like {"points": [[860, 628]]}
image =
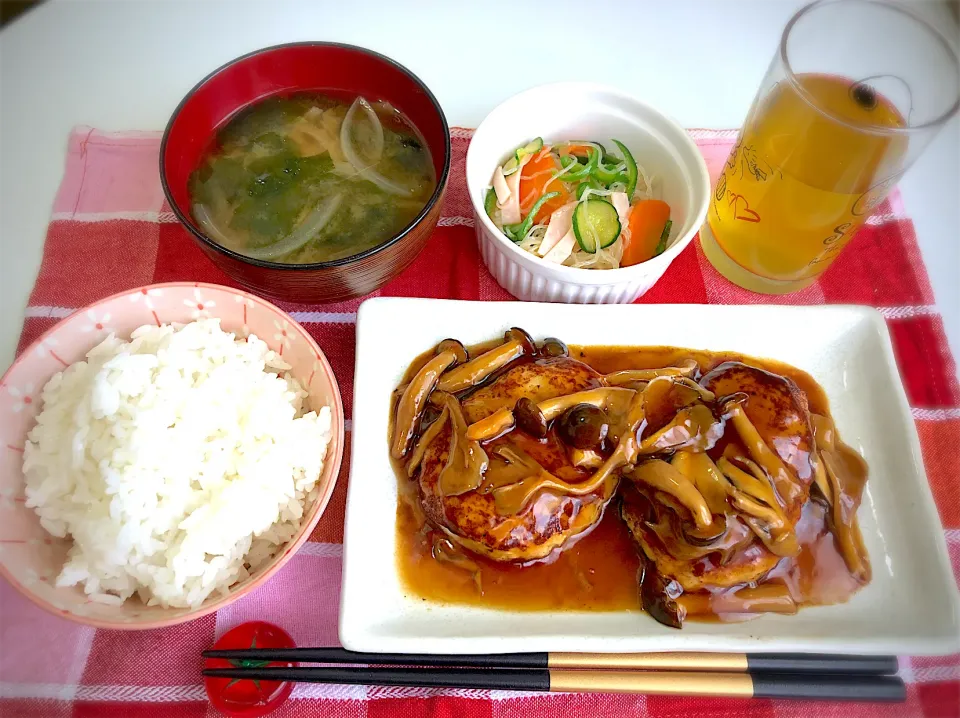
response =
{"points": [[669, 683]]}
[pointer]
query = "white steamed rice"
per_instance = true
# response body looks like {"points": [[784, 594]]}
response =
{"points": [[178, 462]]}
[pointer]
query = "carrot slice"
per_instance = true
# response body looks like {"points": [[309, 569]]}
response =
{"points": [[536, 180], [647, 220], [576, 150]]}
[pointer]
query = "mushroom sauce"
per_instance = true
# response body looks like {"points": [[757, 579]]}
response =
{"points": [[690, 484]]}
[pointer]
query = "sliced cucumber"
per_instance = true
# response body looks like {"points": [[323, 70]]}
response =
{"points": [[530, 148], [595, 224], [631, 168], [513, 164]]}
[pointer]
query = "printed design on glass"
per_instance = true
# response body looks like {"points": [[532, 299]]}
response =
{"points": [[741, 208], [871, 199]]}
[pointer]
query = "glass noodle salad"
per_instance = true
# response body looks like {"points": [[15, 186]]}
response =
{"points": [[574, 203]]}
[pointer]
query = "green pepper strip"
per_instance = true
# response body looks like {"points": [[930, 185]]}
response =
{"points": [[664, 236], [631, 168], [593, 157], [591, 183], [609, 175], [516, 232]]}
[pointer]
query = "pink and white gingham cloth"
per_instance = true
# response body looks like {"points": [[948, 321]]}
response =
{"points": [[111, 230]]}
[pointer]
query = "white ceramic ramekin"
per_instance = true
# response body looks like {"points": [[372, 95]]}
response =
{"points": [[586, 111]]}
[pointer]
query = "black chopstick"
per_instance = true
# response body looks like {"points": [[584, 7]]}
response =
{"points": [[745, 685], [720, 662]]}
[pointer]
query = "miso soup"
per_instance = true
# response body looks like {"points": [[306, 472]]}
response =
{"points": [[312, 178]]}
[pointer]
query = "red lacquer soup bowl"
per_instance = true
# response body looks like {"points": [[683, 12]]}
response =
{"points": [[283, 70]]}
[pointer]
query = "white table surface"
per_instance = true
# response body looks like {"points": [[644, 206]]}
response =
{"points": [[125, 65]]}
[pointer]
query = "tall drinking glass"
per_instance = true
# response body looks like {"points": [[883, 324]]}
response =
{"points": [[855, 92]]}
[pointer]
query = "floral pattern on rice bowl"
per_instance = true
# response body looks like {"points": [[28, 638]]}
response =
{"points": [[29, 557]]}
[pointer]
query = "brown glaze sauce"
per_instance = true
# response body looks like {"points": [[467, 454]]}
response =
{"points": [[600, 571]]}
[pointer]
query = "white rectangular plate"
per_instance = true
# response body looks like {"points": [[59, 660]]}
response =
{"points": [[910, 607]]}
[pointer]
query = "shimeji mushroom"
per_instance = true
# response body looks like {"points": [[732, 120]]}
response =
{"points": [[512, 498], [532, 478], [697, 426], [517, 495], [754, 483], [410, 407], [583, 426], [675, 412], [530, 418], [671, 526], [553, 347], [755, 496], [843, 516], [662, 593], [664, 396], [611, 399], [708, 535], [820, 479], [509, 465], [424, 441], [443, 550], [846, 474], [702, 393], [766, 598], [467, 461], [749, 494], [614, 400], [694, 427], [769, 526], [516, 343], [660, 475], [686, 368], [659, 594], [710, 482], [786, 485]]}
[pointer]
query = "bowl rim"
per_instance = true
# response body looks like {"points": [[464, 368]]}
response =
{"points": [[184, 219], [580, 275], [337, 440]]}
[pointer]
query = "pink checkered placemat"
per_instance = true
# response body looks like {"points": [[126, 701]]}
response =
{"points": [[111, 230]]}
